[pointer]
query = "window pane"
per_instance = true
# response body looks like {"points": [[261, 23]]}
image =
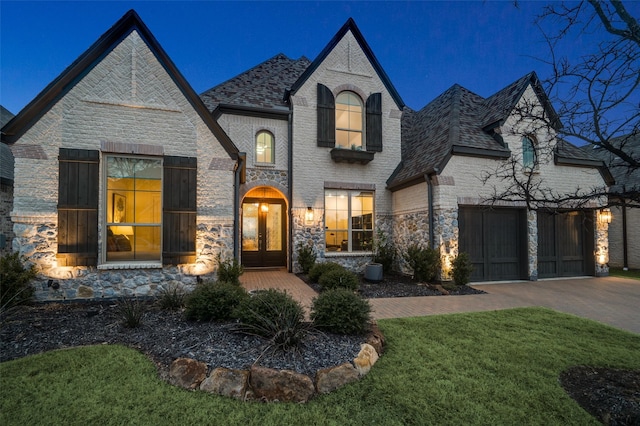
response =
{"points": [[342, 119], [264, 147], [337, 241], [134, 209], [355, 120], [274, 227], [342, 138], [355, 139], [250, 227]]}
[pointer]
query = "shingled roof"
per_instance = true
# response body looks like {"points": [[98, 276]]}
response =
{"points": [[626, 178], [462, 122], [261, 87]]}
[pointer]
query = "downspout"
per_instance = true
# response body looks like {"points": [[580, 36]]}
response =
{"points": [[625, 250], [236, 204], [290, 188]]}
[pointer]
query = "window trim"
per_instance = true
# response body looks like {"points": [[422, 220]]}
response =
{"points": [[349, 130], [104, 228], [350, 230], [273, 148], [529, 141]]}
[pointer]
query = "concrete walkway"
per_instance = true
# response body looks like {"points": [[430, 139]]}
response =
{"points": [[610, 300]]}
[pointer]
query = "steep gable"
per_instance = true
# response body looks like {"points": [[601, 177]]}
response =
{"points": [[91, 59], [350, 26]]}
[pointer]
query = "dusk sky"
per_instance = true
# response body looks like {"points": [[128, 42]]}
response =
{"points": [[425, 47]]}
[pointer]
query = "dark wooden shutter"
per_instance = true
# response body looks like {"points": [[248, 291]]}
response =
{"points": [[326, 117], [179, 210], [78, 185], [374, 122]]}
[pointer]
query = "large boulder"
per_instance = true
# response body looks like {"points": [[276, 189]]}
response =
{"points": [[365, 359], [330, 379], [187, 373], [227, 382], [280, 385]]}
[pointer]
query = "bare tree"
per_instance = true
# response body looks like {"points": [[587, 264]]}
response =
{"points": [[596, 99]]}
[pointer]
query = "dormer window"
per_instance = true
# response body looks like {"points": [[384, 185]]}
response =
{"points": [[529, 155], [349, 121], [265, 152]]}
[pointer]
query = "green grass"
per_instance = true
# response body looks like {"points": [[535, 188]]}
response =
{"points": [[631, 273], [483, 368]]}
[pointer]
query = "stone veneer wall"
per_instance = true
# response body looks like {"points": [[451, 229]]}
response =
{"points": [[532, 244], [36, 239], [267, 176], [303, 233], [6, 226], [602, 248], [408, 229]]}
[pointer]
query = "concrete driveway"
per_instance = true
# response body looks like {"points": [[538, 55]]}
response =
{"points": [[610, 300]]}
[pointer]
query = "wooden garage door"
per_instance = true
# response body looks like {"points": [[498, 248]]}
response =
{"points": [[496, 242], [565, 244]]}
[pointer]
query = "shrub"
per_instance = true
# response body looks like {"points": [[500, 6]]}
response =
{"points": [[15, 287], [384, 252], [461, 269], [320, 269], [229, 270], [215, 301], [339, 278], [171, 297], [425, 263], [274, 315], [341, 311], [131, 312], [306, 257]]}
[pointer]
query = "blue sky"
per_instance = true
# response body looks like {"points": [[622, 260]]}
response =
{"points": [[425, 47]]}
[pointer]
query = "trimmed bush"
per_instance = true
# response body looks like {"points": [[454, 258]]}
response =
{"points": [[384, 252], [339, 278], [15, 287], [321, 268], [274, 315], [306, 257], [229, 270], [425, 263], [215, 301], [461, 269], [341, 311]]}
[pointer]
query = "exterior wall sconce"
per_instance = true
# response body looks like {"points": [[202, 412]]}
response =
{"points": [[604, 216], [308, 216]]}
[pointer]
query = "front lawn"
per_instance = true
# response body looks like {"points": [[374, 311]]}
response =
{"points": [[498, 367], [619, 272]]}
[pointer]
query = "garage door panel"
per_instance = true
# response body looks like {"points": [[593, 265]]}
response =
{"points": [[494, 240]]}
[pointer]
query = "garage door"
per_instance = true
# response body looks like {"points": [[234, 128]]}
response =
{"points": [[565, 244], [495, 241]]}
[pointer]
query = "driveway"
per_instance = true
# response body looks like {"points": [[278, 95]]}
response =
{"points": [[610, 300]]}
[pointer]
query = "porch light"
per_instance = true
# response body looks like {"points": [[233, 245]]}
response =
{"points": [[264, 207], [604, 216], [308, 216]]}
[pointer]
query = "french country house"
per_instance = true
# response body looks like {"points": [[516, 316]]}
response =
{"points": [[125, 179]]}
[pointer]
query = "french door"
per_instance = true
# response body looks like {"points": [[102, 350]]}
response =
{"points": [[264, 232]]}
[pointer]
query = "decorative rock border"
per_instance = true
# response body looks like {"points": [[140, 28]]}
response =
{"points": [[270, 385]]}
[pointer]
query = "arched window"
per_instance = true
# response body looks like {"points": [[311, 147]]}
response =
{"points": [[529, 156], [265, 152], [349, 121]]}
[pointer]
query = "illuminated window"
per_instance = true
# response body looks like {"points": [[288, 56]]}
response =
{"points": [[348, 220], [134, 209], [265, 147], [349, 121], [529, 156]]}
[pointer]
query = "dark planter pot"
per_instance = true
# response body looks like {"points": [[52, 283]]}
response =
{"points": [[373, 272]]}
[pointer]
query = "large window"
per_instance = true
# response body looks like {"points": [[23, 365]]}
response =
{"points": [[348, 220], [265, 147], [529, 156], [134, 209], [349, 121]]}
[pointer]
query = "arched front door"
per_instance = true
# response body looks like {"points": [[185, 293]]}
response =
{"points": [[264, 230]]}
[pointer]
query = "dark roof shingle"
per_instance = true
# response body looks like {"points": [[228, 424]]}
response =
{"points": [[262, 86]]}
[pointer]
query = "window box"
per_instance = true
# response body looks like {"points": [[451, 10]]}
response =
{"points": [[340, 155]]}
